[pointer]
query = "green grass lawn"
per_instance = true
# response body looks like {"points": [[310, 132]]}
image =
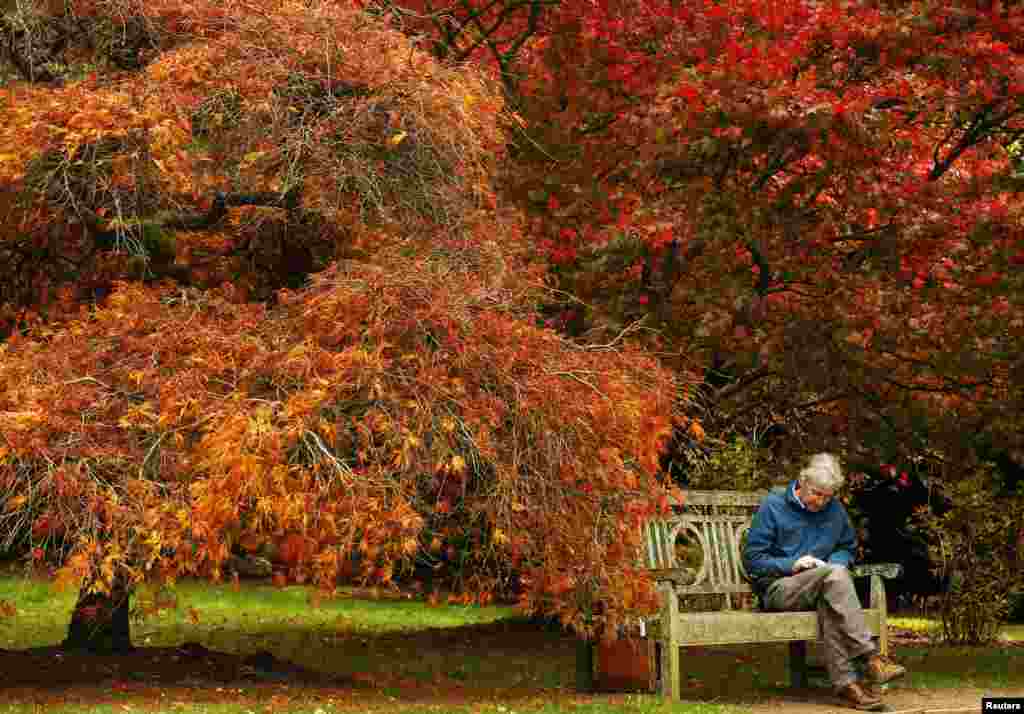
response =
{"points": [[413, 657], [924, 625], [622, 705], [931, 667], [258, 611]]}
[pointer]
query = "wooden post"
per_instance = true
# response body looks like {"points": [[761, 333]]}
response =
{"points": [[670, 642], [584, 665], [878, 603]]}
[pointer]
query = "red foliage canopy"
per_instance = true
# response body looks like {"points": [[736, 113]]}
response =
{"points": [[815, 196]]}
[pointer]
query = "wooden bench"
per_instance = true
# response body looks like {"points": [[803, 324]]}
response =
{"points": [[717, 521]]}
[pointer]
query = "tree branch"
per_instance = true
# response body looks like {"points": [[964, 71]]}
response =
{"points": [[764, 279], [738, 386], [980, 128]]}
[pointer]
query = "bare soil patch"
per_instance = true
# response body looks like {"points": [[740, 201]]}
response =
{"points": [[43, 667], [964, 700]]}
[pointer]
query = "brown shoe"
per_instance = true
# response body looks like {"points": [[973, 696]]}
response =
{"points": [[872, 689], [881, 670], [853, 695]]}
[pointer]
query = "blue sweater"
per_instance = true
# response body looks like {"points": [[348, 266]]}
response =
{"points": [[783, 530]]}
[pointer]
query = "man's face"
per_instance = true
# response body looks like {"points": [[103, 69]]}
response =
{"points": [[814, 498]]}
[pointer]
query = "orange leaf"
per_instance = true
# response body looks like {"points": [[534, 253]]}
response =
{"points": [[697, 430]]}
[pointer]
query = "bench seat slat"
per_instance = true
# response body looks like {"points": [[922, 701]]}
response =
{"points": [[738, 627]]}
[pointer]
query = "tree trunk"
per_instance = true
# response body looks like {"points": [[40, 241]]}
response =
{"points": [[100, 622]]}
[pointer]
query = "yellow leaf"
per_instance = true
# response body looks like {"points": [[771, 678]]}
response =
{"points": [[499, 536], [397, 138], [469, 100], [16, 503]]}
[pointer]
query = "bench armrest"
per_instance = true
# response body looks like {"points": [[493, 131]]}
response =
{"points": [[677, 576], [886, 570]]}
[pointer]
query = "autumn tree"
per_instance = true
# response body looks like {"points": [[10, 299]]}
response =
{"points": [[812, 205], [810, 209], [267, 300]]}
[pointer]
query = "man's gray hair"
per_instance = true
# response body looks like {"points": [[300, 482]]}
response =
{"points": [[823, 472]]}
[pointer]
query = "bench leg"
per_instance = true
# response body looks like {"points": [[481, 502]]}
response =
{"points": [[878, 603], [670, 642], [670, 672], [584, 665], [656, 650], [798, 664]]}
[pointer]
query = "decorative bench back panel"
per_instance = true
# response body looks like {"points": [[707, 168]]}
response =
{"points": [[717, 521]]}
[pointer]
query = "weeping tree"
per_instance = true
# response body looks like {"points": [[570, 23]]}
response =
{"points": [[267, 302]]}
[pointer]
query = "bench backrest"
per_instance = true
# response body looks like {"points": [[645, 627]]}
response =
{"points": [[717, 521]]}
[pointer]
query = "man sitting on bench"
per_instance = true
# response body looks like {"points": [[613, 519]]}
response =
{"points": [[798, 549]]}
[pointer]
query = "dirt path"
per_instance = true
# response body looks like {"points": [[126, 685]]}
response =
{"points": [[906, 701]]}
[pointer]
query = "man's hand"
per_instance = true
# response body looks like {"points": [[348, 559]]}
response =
{"points": [[806, 562]]}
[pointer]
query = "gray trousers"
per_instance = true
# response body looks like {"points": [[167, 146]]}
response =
{"points": [[841, 627]]}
